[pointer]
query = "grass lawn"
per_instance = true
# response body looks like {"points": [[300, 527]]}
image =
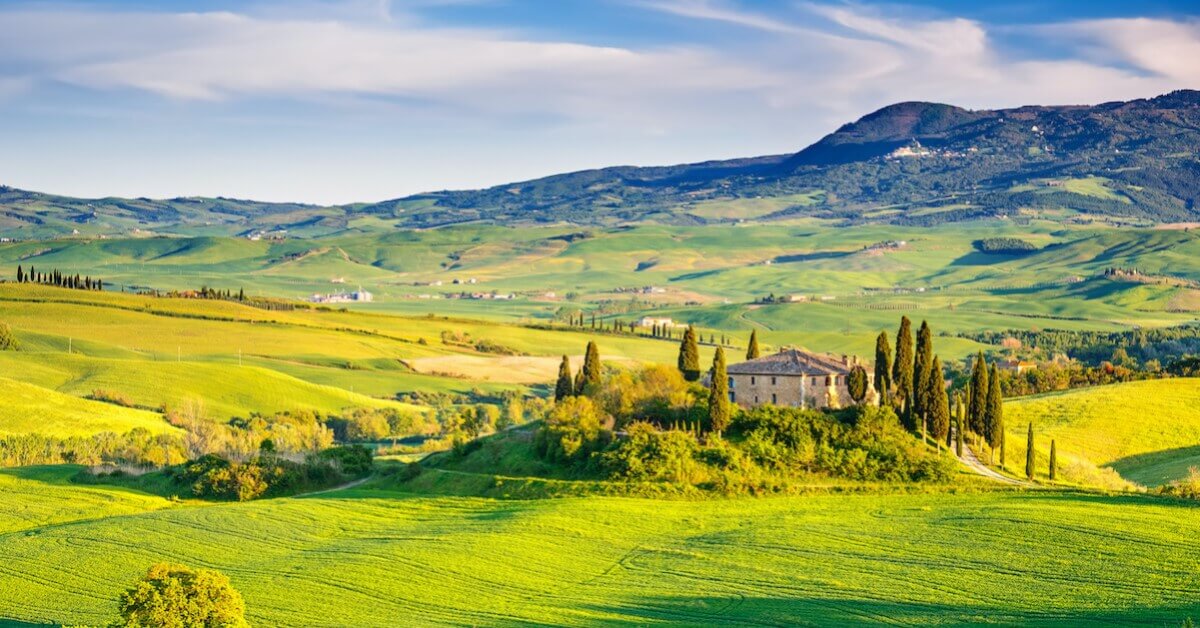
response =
{"points": [[378, 557]]}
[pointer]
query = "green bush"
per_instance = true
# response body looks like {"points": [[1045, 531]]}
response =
{"points": [[171, 596]]}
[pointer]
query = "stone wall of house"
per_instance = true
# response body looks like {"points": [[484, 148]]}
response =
{"points": [[808, 391]]}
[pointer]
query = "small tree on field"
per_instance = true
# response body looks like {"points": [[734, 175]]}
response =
{"points": [[856, 383], [1053, 461], [689, 355], [8, 342], [752, 352], [177, 596], [1029, 453], [720, 411]]}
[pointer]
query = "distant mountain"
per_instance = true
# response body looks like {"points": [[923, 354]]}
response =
{"points": [[909, 163]]}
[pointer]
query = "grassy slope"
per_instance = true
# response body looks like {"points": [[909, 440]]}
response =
{"points": [[368, 557], [1147, 431], [33, 409]]}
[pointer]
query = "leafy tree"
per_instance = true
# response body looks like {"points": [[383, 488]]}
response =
{"points": [[1029, 453], [883, 375], [591, 369], [977, 396], [856, 383], [689, 355], [902, 369], [8, 342], [752, 352], [921, 372], [720, 411], [939, 403], [1053, 461], [565, 386], [175, 596], [994, 415]]}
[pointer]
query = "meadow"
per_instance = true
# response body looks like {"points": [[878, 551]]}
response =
{"points": [[375, 556]]}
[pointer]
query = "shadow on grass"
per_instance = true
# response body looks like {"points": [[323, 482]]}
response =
{"points": [[13, 623], [153, 484], [1158, 467], [825, 610]]}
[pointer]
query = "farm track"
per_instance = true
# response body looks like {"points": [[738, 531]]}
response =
{"points": [[972, 462]]}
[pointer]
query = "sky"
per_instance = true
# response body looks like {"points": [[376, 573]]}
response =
{"points": [[327, 101]]}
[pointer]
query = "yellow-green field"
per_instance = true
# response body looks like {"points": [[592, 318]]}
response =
{"points": [[1148, 432], [29, 409], [374, 557]]}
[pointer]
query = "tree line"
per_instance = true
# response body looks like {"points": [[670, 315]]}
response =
{"points": [[56, 278]]}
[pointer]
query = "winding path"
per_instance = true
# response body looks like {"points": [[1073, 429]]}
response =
{"points": [[968, 458]]}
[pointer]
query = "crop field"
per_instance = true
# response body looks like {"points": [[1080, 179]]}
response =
{"points": [[1146, 431], [32, 409], [374, 557]]}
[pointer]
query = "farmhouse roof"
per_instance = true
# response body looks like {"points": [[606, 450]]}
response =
{"points": [[792, 362]]}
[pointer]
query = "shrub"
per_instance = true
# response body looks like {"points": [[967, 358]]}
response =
{"points": [[177, 596], [573, 431], [649, 454]]}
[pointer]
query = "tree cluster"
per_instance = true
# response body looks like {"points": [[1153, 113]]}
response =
{"points": [[56, 278]]}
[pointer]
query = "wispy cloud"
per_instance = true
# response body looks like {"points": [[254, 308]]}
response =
{"points": [[780, 76]]}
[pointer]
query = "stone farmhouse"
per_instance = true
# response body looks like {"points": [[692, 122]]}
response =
{"points": [[798, 378]]}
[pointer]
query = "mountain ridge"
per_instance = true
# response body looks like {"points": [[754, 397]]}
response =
{"points": [[907, 162]]}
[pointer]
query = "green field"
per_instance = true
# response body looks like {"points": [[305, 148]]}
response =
{"points": [[1146, 431], [375, 557], [32, 409]]}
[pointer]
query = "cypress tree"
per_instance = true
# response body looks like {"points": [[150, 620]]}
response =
{"points": [[977, 399], [1029, 453], [1053, 461], [565, 386], [883, 375], [20, 274], [591, 369], [689, 355], [939, 404], [994, 415], [856, 384], [720, 412], [902, 368], [960, 427], [752, 352], [922, 365]]}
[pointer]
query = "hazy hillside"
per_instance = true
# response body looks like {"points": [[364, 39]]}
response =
{"points": [[908, 163]]}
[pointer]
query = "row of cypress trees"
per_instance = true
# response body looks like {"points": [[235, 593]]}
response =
{"points": [[913, 381], [56, 278]]}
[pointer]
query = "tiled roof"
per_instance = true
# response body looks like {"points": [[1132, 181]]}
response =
{"points": [[791, 362]]}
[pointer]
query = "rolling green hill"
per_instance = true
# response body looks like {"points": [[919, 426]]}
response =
{"points": [[29, 409], [1147, 431]]}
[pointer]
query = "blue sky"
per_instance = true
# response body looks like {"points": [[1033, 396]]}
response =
{"points": [[340, 101]]}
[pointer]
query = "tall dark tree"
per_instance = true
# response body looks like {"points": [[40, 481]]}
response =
{"points": [[994, 414], [591, 369], [689, 355], [1029, 453], [565, 386], [883, 374], [960, 426], [857, 384], [752, 352], [977, 396], [939, 403], [720, 410], [20, 274], [902, 368], [922, 363], [1053, 461]]}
